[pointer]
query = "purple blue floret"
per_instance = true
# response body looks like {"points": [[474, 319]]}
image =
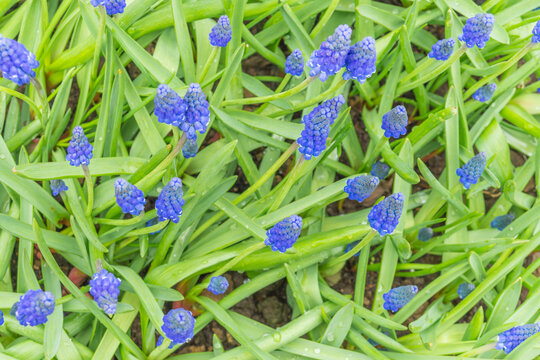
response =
{"points": [[79, 151], [536, 33], [284, 234], [104, 288], [178, 326], [197, 113], [317, 123], [1, 318], [465, 289], [470, 173], [442, 49], [218, 285], [57, 186], [169, 203], [34, 307], [350, 246], [394, 122], [361, 187], [398, 297], [190, 148], [111, 6], [380, 170], [169, 107], [130, 199], [512, 338], [330, 57], [485, 92], [384, 216], [425, 233], [221, 33], [500, 222], [360, 60], [16, 62], [294, 65], [477, 30]]}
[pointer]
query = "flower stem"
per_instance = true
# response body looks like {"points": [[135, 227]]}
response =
{"points": [[168, 159], [99, 40], [90, 190], [365, 242], [291, 179], [208, 64], [280, 87], [121, 222]]}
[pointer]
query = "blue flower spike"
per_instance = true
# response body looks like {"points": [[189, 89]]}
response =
{"points": [[442, 49], [512, 338], [360, 60], [470, 173], [178, 326], [197, 113], [169, 107], [394, 122], [34, 307], [536, 33], [380, 170], [57, 186], [218, 285], [398, 297], [465, 289], [330, 57], [169, 203], [477, 30], [221, 33], [425, 233], [1, 318], [294, 65], [112, 7], [384, 216], [284, 234], [104, 288], [16, 62], [317, 123], [130, 199], [485, 92], [500, 222], [79, 151], [361, 187], [190, 148]]}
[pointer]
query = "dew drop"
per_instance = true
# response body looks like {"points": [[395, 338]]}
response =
{"points": [[277, 336], [317, 351]]}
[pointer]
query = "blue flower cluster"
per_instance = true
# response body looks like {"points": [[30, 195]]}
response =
{"points": [[360, 60], [536, 33], [425, 233], [57, 186], [130, 199], [79, 151], [465, 289], [284, 234], [317, 123], [512, 338], [500, 222], [485, 92], [221, 33], [470, 173], [178, 326], [380, 170], [104, 288], [477, 30], [34, 307], [1, 318], [294, 64], [394, 122], [398, 297], [16, 62], [169, 107], [330, 57], [442, 49], [218, 285], [384, 216], [169, 203], [361, 187], [111, 6]]}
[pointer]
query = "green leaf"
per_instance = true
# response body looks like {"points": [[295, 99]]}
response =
{"points": [[339, 326]]}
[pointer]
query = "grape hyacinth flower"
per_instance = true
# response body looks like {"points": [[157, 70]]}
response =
{"points": [[169, 203], [477, 30], [221, 33], [512, 338], [130, 199], [442, 49], [160, 341], [485, 92], [218, 285], [398, 297], [500, 222], [152, 222], [1, 318], [361, 187], [169, 107], [384, 216], [465, 289], [16, 62], [317, 123], [190, 148], [79, 151], [472, 170], [350, 246], [394, 122], [104, 288], [330, 57], [197, 113], [112, 6], [536, 33], [178, 326], [295, 63], [33, 307], [284, 234], [360, 60], [380, 170], [57, 186], [425, 233]]}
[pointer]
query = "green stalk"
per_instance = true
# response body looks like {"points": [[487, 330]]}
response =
{"points": [[341, 259], [90, 190], [122, 222], [291, 179], [208, 64], [280, 87], [99, 40]]}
